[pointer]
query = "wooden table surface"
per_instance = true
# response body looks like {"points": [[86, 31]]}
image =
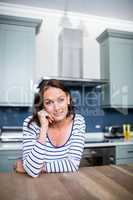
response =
{"points": [[93, 183]]}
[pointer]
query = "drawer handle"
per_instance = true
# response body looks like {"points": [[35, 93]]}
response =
{"points": [[130, 151], [13, 157]]}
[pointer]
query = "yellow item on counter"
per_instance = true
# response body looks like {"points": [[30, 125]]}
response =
{"points": [[124, 130], [127, 131]]}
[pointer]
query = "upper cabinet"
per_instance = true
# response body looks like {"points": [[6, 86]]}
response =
{"points": [[116, 57], [17, 53]]}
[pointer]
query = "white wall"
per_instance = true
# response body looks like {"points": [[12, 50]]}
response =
{"points": [[47, 39]]}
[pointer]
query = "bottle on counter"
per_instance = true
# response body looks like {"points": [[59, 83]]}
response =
{"points": [[127, 131], [124, 130]]}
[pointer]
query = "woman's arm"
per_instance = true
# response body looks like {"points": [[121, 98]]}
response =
{"points": [[33, 143], [33, 150]]}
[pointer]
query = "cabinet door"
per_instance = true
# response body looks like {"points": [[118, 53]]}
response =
{"points": [[116, 54], [8, 159], [124, 154], [16, 64], [121, 71], [124, 161], [124, 151]]}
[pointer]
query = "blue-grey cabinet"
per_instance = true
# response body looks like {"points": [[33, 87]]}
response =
{"points": [[8, 159], [124, 154], [116, 61], [17, 60]]}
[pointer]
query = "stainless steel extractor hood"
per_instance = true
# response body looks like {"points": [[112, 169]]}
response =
{"points": [[76, 81]]}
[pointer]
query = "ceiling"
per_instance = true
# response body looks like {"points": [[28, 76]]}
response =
{"points": [[121, 9]]}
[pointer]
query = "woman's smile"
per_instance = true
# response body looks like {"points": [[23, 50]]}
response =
{"points": [[58, 114]]}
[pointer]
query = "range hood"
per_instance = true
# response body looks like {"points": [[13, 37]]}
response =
{"points": [[69, 81]]}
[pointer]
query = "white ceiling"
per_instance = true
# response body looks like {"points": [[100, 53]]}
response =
{"points": [[122, 9]]}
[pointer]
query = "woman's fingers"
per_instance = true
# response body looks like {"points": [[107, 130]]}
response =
{"points": [[19, 166], [44, 114], [50, 117]]}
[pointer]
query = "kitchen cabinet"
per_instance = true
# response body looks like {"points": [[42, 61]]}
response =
{"points": [[116, 63], [8, 158], [71, 53], [17, 53], [124, 154]]}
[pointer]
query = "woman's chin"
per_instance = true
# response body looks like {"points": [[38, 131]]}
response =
{"points": [[59, 118]]}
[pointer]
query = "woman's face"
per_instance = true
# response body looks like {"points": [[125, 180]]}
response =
{"points": [[56, 103]]}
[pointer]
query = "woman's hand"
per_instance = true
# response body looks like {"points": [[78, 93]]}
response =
{"points": [[19, 166], [45, 118]]}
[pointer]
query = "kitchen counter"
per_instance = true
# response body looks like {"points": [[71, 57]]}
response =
{"points": [[101, 141], [10, 145], [98, 137], [102, 182], [111, 142]]}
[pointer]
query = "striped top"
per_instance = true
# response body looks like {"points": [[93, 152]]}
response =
{"points": [[65, 158]]}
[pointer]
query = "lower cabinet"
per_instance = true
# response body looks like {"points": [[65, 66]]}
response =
{"points": [[8, 158], [124, 154]]}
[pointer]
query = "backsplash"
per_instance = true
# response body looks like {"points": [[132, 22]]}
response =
{"points": [[86, 101], [13, 116]]}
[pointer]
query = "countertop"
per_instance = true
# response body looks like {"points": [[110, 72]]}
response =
{"points": [[11, 146], [102, 141], [95, 183], [112, 142]]}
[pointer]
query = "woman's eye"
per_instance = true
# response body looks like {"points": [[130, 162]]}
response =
{"points": [[48, 102], [61, 99]]}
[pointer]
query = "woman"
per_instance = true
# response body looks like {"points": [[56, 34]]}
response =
{"points": [[53, 135]]}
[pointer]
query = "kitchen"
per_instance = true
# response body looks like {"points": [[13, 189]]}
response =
{"points": [[86, 84]]}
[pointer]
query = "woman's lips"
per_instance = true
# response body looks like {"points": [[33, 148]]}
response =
{"points": [[58, 114]]}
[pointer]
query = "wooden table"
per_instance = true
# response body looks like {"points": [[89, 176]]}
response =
{"points": [[90, 183]]}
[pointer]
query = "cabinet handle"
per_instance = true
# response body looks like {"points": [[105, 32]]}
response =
{"points": [[13, 158], [111, 159], [130, 151], [93, 152]]}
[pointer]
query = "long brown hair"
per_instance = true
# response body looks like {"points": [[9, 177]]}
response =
{"points": [[38, 99]]}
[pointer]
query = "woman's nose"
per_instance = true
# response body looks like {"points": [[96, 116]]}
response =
{"points": [[56, 105]]}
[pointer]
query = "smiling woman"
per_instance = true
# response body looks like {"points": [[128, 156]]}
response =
{"points": [[54, 134]]}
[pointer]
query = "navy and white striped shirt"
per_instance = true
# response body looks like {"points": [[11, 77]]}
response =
{"points": [[65, 158]]}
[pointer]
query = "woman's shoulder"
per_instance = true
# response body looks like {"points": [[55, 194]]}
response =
{"points": [[79, 117], [28, 118], [27, 121], [79, 125]]}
